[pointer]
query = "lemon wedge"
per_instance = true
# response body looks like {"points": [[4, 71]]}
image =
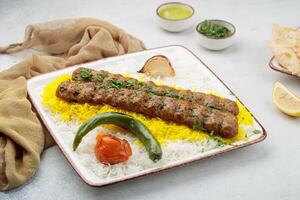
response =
{"points": [[285, 100]]}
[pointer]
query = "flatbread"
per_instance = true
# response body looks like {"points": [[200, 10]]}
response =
{"points": [[285, 45]]}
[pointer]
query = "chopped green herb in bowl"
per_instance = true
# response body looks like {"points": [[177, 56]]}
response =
{"points": [[215, 34], [211, 29]]}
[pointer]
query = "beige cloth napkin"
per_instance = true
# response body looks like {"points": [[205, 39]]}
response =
{"points": [[74, 41]]}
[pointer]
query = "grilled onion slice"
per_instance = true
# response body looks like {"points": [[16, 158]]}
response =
{"points": [[158, 66]]}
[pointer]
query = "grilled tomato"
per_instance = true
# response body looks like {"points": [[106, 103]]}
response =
{"points": [[111, 150]]}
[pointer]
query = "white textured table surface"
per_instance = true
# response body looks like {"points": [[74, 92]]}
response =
{"points": [[268, 170]]}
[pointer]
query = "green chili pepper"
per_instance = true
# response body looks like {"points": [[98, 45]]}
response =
{"points": [[127, 122]]}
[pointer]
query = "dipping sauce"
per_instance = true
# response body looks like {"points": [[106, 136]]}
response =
{"points": [[175, 11]]}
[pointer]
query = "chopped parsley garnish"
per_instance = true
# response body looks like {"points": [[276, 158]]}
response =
{"points": [[116, 84], [253, 133], [127, 84], [100, 78], [211, 29], [214, 106], [85, 74], [220, 142], [197, 126]]}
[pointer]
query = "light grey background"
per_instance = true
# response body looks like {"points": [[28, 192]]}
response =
{"points": [[269, 170]]}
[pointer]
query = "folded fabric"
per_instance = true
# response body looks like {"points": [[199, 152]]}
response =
{"points": [[72, 41]]}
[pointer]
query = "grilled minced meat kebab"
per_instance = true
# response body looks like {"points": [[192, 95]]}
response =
{"points": [[105, 79], [196, 116]]}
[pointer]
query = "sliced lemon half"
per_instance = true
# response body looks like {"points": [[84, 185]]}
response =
{"points": [[285, 100]]}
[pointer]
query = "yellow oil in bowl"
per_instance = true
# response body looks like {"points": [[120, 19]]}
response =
{"points": [[175, 11]]}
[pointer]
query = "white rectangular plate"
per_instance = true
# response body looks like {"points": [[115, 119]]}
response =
{"points": [[191, 73]]}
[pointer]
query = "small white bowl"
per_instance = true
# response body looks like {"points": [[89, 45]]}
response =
{"points": [[214, 43], [175, 25]]}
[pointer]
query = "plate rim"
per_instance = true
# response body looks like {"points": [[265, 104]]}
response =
{"points": [[274, 67], [155, 170]]}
